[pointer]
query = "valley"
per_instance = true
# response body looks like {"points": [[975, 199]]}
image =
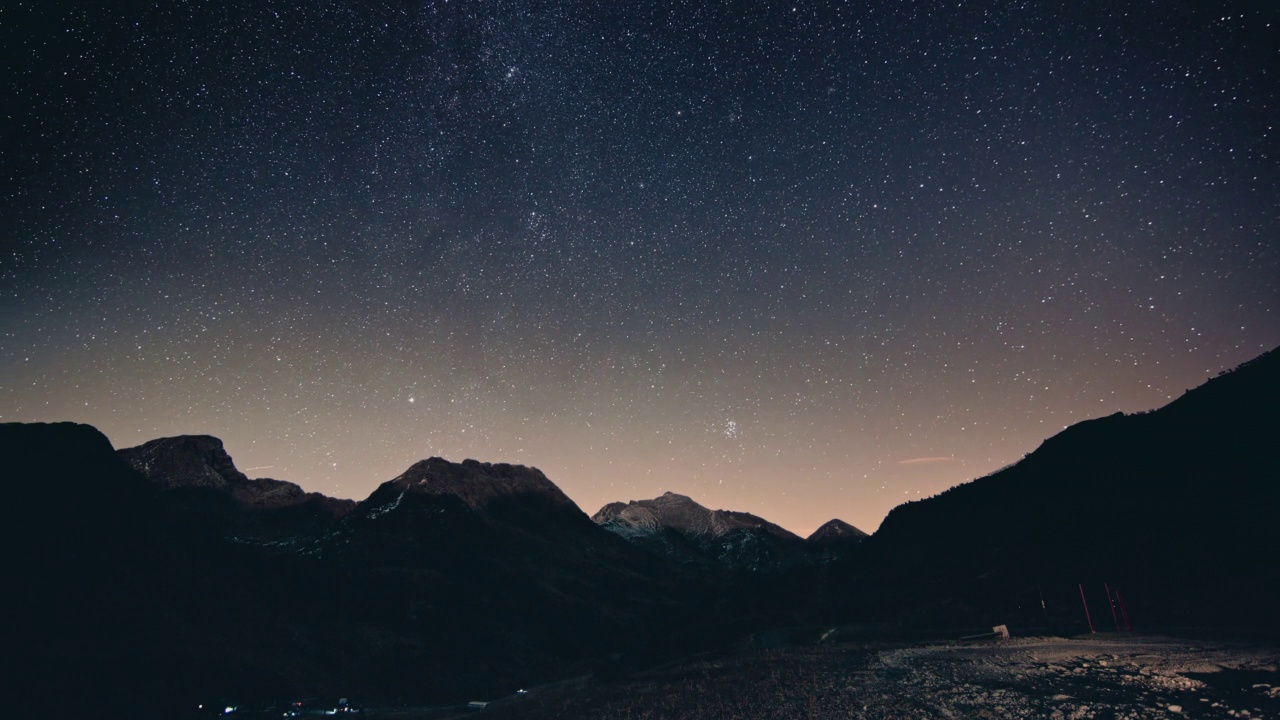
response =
{"points": [[162, 579]]}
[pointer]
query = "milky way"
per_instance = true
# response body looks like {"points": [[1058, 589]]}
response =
{"points": [[800, 259]]}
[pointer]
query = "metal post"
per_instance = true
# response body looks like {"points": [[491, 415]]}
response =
{"points": [[1086, 608], [1124, 611], [1112, 602]]}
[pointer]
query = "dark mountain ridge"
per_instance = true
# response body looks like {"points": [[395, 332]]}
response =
{"points": [[1176, 505], [164, 590], [199, 480], [201, 461], [116, 589], [150, 577], [479, 484]]}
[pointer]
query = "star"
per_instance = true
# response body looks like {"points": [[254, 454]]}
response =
{"points": [[640, 246]]}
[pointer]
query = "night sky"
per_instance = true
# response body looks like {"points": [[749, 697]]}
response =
{"points": [[802, 259]]}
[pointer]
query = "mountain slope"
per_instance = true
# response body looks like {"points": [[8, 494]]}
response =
{"points": [[116, 588], [200, 481], [451, 580], [494, 567], [1177, 506]]}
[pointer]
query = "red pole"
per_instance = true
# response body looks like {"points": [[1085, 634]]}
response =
{"points": [[1112, 602], [1124, 611], [1086, 607]]}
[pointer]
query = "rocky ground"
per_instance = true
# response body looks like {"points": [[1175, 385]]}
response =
{"points": [[1059, 678]]}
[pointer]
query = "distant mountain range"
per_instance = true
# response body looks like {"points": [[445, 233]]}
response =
{"points": [[199, 481], [836, 533], [679, 528], [160, 576]]}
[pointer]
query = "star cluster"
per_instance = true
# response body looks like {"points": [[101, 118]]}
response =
{"points": [[804, 259]]}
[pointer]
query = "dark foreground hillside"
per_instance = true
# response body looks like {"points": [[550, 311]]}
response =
{"points": [[1178, 508], [154, 599]]}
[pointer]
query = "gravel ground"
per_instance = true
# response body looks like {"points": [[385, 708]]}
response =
{"points": [[1089, 678], [1056, 678]]}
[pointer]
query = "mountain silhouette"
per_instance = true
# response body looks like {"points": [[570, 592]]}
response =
{"points": [[449, 580], [678, 527], [835, 533], [1177, 506], [161, 576], [200, 481]]}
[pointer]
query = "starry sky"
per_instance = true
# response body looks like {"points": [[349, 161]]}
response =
{"points": [[805, 259]]}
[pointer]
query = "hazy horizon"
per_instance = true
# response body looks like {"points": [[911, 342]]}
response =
{"points": [[946, 462]]}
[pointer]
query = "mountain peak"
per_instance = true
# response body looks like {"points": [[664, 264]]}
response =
{"points": [[681, 513], [478, 483], [201, 461], [185, 461], [677, 526], [836, 531]]}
